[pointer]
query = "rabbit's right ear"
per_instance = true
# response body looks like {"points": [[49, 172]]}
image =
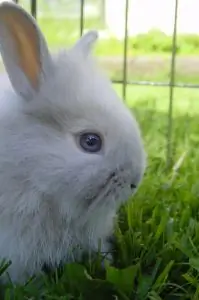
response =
{"points": [[23, 49], [86, 42]]}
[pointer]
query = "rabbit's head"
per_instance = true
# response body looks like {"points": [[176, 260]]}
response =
{"points": [[72, 145]]}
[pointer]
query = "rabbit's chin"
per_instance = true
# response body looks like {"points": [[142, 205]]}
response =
{"points": [[57, 240], [101, 199]]}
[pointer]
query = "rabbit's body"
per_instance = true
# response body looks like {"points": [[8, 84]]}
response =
{"points": [[56, 198]]}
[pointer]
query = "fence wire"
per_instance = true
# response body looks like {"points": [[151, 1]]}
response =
{"points": [[124, 81]]}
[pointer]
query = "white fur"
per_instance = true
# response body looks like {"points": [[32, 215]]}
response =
{"points": [[54, 196]]}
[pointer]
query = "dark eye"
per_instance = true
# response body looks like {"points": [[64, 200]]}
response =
{"points": [[90, 142]]}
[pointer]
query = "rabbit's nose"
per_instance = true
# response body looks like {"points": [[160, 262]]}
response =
{"points": [[133, 186]]}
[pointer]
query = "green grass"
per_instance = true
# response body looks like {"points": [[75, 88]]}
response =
{"points": [[63, 32], [157, 236]]}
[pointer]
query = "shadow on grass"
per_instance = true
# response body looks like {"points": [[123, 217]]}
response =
{"points": [[153, 68]]}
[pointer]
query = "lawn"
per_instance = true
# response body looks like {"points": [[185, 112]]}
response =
{"points": [[156, 253], [157, 236]]}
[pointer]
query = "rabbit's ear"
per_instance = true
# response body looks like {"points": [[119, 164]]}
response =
{"points": [[86, 42], [23, 49]]}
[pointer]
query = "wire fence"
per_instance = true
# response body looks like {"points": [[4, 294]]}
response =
{"points": [[124, 80]]}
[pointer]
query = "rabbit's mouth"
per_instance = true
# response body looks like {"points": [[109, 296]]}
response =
{"points": [[102, 187], [112, 184]]}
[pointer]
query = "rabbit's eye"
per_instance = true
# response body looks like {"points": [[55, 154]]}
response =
{"points": [[90, 142]]}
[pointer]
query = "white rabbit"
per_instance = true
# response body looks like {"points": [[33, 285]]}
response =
{"points": [[70, 151]]}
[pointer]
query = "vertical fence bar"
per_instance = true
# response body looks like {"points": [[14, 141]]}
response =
{"points": [[82, 17], [171, 91], [125, 51], [102, 10], [34, 8]]}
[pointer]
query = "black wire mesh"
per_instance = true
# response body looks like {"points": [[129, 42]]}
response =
{"points": [[124, 81]]}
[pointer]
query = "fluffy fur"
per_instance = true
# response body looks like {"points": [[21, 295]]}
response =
{"points": [[55, 197]]}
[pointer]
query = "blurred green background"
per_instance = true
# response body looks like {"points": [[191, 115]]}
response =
{"points": [[149, 55]]}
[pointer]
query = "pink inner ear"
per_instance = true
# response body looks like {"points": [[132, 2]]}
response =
{"points": [[25, 40]]}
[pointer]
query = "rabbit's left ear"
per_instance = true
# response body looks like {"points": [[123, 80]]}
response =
{"points": [[23, 49]]}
